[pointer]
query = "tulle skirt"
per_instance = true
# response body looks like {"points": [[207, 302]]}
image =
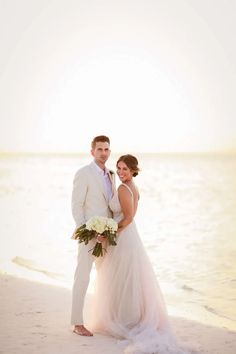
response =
{"points": [[127, 302]]}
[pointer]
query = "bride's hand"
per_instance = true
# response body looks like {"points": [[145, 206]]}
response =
{"points": [[100, 238]]}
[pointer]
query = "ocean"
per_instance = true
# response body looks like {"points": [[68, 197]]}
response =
{"points": [[186, 219]]}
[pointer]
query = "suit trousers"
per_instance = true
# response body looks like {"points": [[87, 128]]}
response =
{"points": [[81, 282]]}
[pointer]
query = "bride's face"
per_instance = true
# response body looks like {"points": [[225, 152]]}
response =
{"points": [[124, 172]]}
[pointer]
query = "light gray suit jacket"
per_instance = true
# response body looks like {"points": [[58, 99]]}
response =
{"points": [[89, 196]]}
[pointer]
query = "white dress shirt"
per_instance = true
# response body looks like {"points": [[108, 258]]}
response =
{"points": [[104, 175]]}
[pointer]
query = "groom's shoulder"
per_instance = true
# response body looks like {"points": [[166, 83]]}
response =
{"points": [[83, 170]]}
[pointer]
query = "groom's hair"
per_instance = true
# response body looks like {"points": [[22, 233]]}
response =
{"points": [[100, 139]]}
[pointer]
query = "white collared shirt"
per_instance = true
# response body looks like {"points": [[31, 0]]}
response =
{"points": [[104, 175]]}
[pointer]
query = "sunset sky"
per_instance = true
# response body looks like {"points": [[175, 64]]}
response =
{"points": [[155, 76]]}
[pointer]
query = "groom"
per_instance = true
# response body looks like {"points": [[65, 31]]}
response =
{"points": [[93, 187]]}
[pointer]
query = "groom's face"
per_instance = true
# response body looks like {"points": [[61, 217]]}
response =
{"points": [[101, 152]]}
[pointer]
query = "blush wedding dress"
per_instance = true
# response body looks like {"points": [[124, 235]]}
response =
{"points": [[127, 302]]}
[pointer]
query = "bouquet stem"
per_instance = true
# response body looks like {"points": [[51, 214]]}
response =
{"points": [[98, 250]]}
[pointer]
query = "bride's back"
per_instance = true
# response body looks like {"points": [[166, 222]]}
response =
{"points": [[133, 190]]}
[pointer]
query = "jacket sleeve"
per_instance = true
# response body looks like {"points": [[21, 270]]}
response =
{"points": [[80, 187]]}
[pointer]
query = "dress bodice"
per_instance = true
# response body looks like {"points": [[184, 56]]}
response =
{"points": [[115, 206]]}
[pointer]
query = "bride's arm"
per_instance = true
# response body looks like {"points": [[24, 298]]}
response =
{"points": [[127, 207]]}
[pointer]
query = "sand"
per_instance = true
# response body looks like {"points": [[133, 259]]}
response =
{"points": [[35, 318]]}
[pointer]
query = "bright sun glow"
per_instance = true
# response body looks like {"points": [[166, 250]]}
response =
{"points": [[153, 80], [126, 98]]}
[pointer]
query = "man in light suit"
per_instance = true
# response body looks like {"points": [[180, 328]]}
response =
{"points": [[93, 187]]}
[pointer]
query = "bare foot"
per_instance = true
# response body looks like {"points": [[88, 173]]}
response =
{"points": [[82, 331]]}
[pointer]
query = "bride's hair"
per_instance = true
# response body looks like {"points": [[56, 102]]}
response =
{"points": [[132, 163]]}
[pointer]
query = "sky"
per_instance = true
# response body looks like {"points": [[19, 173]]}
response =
{"points": [[155, 76]]}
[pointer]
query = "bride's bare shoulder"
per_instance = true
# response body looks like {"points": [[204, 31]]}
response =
{"points": [[132, 190]]}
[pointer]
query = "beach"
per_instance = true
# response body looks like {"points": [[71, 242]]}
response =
{"points": [[35, 318]]}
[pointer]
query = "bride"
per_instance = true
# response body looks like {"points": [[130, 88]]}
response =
{"points": [[128, 302]]}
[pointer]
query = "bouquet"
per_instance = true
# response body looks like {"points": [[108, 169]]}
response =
{"points": [[97, 225]]}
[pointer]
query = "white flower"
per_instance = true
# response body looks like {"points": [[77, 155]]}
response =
{"points": [[101, 224], [112, 225], [97, 224]]}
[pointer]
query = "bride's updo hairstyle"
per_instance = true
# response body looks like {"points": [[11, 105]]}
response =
{"points": [[131, 162]]}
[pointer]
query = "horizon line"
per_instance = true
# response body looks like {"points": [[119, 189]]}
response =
{"points": [[73, 153]]}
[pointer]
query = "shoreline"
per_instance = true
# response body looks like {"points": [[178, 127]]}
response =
{"points": [[35, 317]]}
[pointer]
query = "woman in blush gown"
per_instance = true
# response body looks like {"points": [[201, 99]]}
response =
{"points": [[128, 303]]}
